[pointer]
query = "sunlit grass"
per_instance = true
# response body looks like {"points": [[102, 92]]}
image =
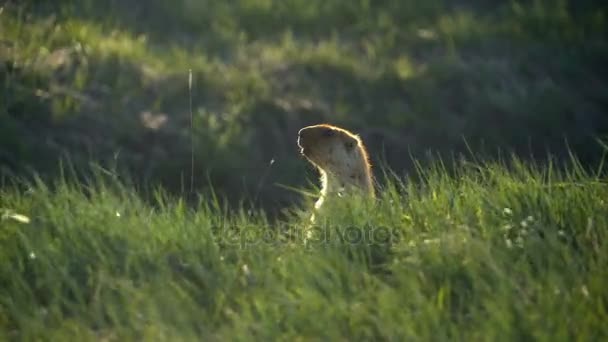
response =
{"points": [[485, 253]]}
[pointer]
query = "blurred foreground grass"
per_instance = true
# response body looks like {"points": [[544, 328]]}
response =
{"points": [[107, 82], [489, 253]]}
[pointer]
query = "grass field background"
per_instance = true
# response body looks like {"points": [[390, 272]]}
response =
{"points": [[484, 120]]}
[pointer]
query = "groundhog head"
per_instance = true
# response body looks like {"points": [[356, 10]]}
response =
{"points": [[332, 149]]}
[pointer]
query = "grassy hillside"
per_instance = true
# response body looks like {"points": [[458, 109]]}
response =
{"points": [[488, 254], [515, 250], [107, 81]]}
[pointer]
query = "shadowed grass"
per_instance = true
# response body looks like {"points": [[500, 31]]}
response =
{"points": [[489, 252]]}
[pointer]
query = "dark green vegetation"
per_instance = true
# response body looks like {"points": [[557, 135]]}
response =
{"points": [[107, 81], [487, 255], [477, 251]]}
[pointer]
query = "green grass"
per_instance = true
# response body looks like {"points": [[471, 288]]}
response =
{"points": [[488, 253], [474, 251]]}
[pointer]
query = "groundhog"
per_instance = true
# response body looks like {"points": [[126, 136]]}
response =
{"points": [[341, 159]]}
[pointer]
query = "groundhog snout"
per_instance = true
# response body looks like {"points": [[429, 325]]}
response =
{"points": [[314, 133], [305, 138], [313, 141]]}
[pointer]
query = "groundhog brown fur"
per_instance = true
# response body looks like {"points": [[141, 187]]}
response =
{"points": [[341, 158]]}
